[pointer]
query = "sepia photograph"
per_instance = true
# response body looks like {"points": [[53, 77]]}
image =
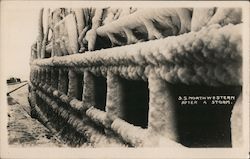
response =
{"points": [[105, 79]]}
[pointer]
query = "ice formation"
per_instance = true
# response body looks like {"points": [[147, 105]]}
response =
{"points": [[179, 47], [189, 58], [203, 17]]}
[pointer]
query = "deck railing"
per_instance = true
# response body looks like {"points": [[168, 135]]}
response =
{"points": [[92, 92]]}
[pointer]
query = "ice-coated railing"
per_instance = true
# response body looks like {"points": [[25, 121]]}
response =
{"points": [[72, 86], [174, 58]]}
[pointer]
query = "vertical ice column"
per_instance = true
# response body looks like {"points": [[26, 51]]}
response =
{"points": [[114, 106], [95, 90], [162, 108], [88, 88], [34, 75], [75, 85], [41, 81], [55, 42], [33, 50], [72, 90], [114, 103], [63, 81], [32, 101], [46, 34], [54, 77], [43, 76], [39, 75], [236, 123], [48, 76], [72, 48], [40, 33]]}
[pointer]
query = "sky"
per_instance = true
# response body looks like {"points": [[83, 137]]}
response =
{"points": [[18, 32]]}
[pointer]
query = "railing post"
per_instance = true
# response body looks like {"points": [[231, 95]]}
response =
{"points": [[54, 77], [114, 106], [88, 88], [63, 81], [236, 123], [75, 86], [45, 37], [40, 75], [43, 75], [48, 76], [34, 75], [162, 108]]}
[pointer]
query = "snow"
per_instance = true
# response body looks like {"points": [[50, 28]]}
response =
{"points": [[206, 57], [236, 123], [98, 116], [210, 55], [132, 134], [162, 106], [83, 126]]}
